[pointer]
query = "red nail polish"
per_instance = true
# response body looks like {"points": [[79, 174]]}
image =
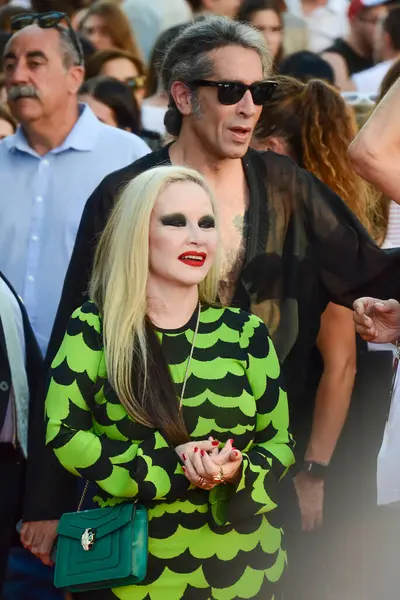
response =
{"points": [[236, 454], [202, 452], [231, 441], [184, 456], [216, 443], [195, 449]]}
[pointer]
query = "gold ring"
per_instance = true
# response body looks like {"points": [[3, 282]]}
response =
{"points": [[200, 481], [220, 477]]}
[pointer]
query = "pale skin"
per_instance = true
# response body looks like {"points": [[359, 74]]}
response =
{"points": [[183, 222], [33, 57], [336, 342]]}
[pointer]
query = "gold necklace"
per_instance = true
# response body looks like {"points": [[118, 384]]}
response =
{"points": [[190, 357]]}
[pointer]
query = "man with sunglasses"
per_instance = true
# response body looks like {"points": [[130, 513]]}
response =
{"points": [[289, 244]]}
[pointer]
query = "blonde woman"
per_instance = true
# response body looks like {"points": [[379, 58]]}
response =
{"points": [[152, 383]]}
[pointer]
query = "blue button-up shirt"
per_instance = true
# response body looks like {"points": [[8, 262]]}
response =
{"points": [[41, 204]]}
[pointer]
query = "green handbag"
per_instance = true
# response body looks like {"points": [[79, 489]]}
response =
{"points": [[102, 548]]}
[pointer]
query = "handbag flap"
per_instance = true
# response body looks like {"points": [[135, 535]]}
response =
{"points": [[103, 520]]}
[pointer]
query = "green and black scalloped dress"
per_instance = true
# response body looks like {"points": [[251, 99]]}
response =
{"points": [[223, 544]]}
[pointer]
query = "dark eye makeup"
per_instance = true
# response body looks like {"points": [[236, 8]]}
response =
{"points": [[175, 220], [179, 220]]}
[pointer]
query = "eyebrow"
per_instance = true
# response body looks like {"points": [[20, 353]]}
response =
{"points": [[31, 54]]}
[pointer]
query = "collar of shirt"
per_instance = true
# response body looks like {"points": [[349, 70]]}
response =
{"points": [[82, 137]]}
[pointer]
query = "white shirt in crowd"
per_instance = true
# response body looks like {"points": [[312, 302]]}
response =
{"points": [[41, 203], [325, 23], [369, 81], [153, 118]]}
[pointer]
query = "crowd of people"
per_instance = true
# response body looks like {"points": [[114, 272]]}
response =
{"points": [[193, 195]]}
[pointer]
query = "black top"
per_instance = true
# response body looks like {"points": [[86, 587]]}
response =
{"points": [[355, 63], [304, 248]]}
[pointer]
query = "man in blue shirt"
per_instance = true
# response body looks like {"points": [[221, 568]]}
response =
{"points": [[48, 169]]}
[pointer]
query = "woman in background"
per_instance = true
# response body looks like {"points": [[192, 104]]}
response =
{"points": [[113, 103], [106, 26], [312, 124], [121, 65], [265, 16]]}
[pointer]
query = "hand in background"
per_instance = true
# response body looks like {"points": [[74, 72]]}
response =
{"points": [[39, 537], [310, 494], [377, 320]]}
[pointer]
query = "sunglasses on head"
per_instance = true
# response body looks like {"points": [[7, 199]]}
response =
{"points": [[47, 20], [231, 92]]}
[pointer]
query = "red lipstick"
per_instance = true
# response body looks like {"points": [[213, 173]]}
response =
{"points": [[193, 259]]}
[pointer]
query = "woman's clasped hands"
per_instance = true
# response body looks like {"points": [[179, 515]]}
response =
{"points": [[206, 465]]}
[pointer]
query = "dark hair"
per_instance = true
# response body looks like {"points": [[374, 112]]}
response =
{"points": [[391, 26], [305, 65], [247, 10], [7, 12], [188, 57], [157, 56], [101, 57], [195, 5], [118, 97], [318, 127], [70, 7], [5, 115], [117, 24]]}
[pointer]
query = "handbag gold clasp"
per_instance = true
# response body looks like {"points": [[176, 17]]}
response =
{"points": [[88, 539]]}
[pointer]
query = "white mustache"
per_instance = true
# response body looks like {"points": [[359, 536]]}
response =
{"points": [[22, 91]]}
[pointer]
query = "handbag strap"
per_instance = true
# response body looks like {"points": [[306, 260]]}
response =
{"points": [[85, 489], [82, 500]]}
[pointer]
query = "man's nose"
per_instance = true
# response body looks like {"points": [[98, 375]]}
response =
{"points": [[19, 74], [246, 105]]}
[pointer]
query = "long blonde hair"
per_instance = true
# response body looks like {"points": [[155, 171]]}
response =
{"points": [[118, 287]]}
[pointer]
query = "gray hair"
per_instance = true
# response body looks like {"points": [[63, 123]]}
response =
{"points": [[70, 54], [187, 57]]}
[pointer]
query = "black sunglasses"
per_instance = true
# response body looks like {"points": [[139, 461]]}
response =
{"points": [[231, 92], [47, 20]]}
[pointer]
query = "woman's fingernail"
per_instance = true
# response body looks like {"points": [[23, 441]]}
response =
{"points": [[235, 454], [184, 469], [216, 443], [195, 449], [231, 441], [211, 437], [202, 453], [184, 456]]}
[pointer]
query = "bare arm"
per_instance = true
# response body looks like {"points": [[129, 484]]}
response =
{"points": [[375, 152], [337, 344]]}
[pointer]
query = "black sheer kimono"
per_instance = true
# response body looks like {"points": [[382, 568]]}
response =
{"points": [[304, 248]]}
